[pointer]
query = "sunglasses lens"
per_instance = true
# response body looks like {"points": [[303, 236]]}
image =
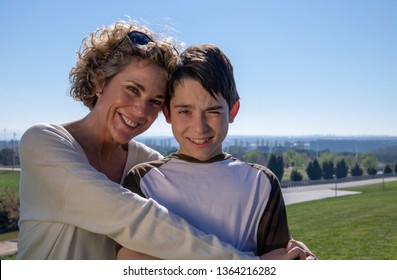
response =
{"points": [[139, 38]]}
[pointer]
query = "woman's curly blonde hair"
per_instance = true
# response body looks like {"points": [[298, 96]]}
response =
{"points": [[105, 52]]}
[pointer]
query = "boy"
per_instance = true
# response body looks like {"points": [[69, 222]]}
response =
{"points": [[239, 202]]}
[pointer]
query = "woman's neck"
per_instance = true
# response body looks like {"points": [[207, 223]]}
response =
{"points": [[103, 153]]}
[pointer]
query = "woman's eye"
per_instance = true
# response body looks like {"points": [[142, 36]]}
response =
{"points": [[157, 103], [133, 90]]}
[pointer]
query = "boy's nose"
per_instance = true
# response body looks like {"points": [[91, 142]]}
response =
{"points": [[201, 125]]}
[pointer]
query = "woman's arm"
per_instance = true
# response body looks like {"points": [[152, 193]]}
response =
{"points": [[59, 185], [126, 254]]}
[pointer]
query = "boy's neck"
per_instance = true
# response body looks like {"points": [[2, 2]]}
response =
{"points": [[190, 158]]}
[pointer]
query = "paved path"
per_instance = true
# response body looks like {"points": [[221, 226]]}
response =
{"points": [[291, 195], [8, 248], [301, 194]]}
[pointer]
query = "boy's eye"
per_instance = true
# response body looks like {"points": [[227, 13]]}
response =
{"points": [[184, 112], [214, 112]]}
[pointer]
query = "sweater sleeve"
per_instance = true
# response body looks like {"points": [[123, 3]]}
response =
{"points": [[59, 185]]}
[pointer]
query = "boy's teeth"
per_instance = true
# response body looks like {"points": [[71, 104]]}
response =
{"points": [[199, 141]]}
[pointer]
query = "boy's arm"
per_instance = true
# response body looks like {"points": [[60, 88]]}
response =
{"points": [[273, 230]]}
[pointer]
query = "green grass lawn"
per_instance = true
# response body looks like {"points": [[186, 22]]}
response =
{"points": [[9, 179], [355, 227]]}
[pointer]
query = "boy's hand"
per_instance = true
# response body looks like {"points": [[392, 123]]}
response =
{"points": [[297, 244], [295, 250]]}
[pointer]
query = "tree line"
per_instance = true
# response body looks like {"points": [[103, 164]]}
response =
{"points": [[9, 157], [316, 165], [311, 164]]}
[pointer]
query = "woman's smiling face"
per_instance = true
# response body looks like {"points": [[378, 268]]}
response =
{"points": [[131, 101]]}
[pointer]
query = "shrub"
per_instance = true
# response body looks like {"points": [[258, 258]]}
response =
{"points": [[296, 176], [341, 169], [356, 170], [388, 169], [9, 210], [328, 169], [314, 170], [371, 171]]}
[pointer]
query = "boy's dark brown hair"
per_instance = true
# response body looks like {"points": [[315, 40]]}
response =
{"points": [[208, 65]]}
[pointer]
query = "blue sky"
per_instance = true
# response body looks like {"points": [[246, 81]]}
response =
{"points": [[301, 67]]}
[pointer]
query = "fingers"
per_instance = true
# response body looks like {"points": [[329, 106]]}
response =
{"points": [[297, 244], [295, 253], [311, 257]]}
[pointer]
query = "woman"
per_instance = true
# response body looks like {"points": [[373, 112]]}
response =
{"points": [[71, 200]]}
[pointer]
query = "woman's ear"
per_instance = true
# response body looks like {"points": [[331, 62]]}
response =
{"points": [[100, 81], [234, 111], [166, 113]]}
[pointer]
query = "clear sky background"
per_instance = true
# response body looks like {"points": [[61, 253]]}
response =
{"points": [[302, 67]]}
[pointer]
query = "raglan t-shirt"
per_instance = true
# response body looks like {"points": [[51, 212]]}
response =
{"points": [[241, 203]]}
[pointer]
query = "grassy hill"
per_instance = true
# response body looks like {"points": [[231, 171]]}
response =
{"points": [[356, 227]]}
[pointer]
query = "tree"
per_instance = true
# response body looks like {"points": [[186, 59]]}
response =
{"points": [[341, 169], [367, 160], [327, 156], [276, 165], [356, 170], [314, 170], [328, 169], [395, 168], [295, 159], [296, 176], [280, 164], [388, 169], [236, 151], [6, 156], [371, 171], [255, 156]]}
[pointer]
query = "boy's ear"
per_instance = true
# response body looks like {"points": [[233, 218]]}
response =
{"points": [[166, 113], [234, 111]]}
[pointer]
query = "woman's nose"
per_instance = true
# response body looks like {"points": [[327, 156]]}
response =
{"points": [[140, 108]]}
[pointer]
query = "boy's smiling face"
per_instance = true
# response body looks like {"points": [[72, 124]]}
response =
{"points": [[199, 122]]}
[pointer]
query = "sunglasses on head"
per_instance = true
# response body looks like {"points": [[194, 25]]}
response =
{"points": [[138, 38], [135, 37]]}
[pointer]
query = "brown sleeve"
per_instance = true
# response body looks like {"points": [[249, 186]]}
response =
{"points": [[133, 179], [273, 230]]}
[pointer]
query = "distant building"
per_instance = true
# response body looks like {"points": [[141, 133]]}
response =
{"points": [[351, 145], [282, 143]]}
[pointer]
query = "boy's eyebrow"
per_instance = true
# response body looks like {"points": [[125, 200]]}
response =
{"points": [[211, 108], [218, 107], [182, 106]]}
